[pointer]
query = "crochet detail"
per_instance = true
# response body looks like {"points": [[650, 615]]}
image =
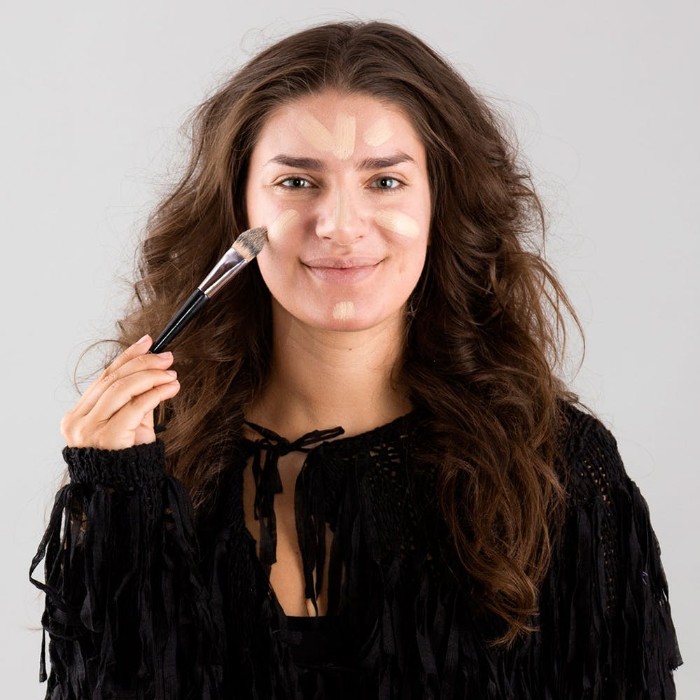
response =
{"points": [[134, 608]]}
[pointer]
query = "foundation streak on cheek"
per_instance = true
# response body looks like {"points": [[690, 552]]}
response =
{"points": [[398, 222], [281, 224], [343, 310], [341, 142], [377, 134]]}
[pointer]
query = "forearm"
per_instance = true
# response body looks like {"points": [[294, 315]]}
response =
{"points": [[124, 596]]}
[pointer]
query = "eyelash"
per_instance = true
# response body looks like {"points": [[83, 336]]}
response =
{"points": [[309, 185], [292, 179]]}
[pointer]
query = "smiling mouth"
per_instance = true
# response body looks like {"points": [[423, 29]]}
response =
{"points": [[342, 262], [342, 270]]}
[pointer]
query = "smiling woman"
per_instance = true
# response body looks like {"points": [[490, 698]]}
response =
{"points": [[368, 480], [356, 248]]}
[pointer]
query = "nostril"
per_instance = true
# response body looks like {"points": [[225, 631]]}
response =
{"points": [[340, 222]]}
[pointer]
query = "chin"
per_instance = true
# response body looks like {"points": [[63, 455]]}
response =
{"points": [[347, 325], [341, 324], [344, 317]]}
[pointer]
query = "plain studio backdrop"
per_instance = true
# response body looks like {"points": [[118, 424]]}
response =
{"points": [[604, 101]]}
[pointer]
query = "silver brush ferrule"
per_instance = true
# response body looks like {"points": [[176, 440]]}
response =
{"points": [[229, 264]]}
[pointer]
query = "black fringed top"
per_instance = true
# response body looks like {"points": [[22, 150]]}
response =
{"points": [[144, 601]]}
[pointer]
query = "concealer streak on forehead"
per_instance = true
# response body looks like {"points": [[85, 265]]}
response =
{"points": [[341, 142], [343, 310], [281, 223], [315, 133], [344, 136], [398, 222], [378, 133]]}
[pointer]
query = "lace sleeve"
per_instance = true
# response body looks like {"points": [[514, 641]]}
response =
{"points": [[616, 588], [125, 608]]}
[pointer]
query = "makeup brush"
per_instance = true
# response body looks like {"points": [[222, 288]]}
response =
{"points": [[244, 249]]}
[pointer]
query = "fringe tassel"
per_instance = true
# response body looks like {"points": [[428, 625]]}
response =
{"points": [[647, 650], [128, 614], [126, 611]]}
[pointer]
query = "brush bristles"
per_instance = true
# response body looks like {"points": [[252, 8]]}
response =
{"points": [[251, 242]]}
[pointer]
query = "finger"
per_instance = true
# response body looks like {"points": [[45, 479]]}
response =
{"points": [[129, 419], [147, 428], [82, 431], [140, 347], [126, 389], [138, 363], [123, 428], [146, 431]]}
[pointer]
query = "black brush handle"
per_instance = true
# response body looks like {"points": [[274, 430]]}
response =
{"points": [[183, 316]]}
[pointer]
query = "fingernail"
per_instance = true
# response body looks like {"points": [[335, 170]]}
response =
{"points": [[171, 372], [142, 340], [166, 355]]}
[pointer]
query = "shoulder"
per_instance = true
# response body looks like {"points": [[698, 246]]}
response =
{"points": [[590, 461], [607, 566]]}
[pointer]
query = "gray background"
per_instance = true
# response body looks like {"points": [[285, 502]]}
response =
{"points": [[603, 98]]}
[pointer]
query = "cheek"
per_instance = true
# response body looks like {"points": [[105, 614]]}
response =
{"points": [[398, 222], [411, 255], [279, 229], [279, 258], [276, 275], [413, 264]]}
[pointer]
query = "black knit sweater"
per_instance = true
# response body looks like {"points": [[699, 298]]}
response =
{"points": [[145, 601]]}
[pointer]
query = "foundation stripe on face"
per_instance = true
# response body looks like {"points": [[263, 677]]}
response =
{"points": [[377, 134], [398, 222], [344, 145], [343, 310], [315, 133], [281, 223], [340, 210], [341, 142]]}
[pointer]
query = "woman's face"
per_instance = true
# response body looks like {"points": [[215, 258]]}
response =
{"points": [[341, 182]]}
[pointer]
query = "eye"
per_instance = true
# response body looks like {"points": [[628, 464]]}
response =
{"points": [[295, 183], [387, 183]]}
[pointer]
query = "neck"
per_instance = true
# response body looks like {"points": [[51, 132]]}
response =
{"points": [[321, 379]]}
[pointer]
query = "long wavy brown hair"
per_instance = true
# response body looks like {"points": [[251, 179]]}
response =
{"points": [[485, 327]]}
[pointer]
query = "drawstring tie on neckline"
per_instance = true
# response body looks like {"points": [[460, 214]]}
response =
{"points": [[309, 500]]}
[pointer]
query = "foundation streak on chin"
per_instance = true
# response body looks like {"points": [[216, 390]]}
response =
{"points": [[398, 222], [377, 134], [343, 310], [340, 142], [281, 224]]}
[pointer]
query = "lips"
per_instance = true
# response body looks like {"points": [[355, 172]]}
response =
{"points": [[342, 270]]}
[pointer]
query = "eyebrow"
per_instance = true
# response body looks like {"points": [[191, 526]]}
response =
{"points": [[365, 164]]}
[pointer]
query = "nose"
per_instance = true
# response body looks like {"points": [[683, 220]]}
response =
{"points": [[339, 218]]}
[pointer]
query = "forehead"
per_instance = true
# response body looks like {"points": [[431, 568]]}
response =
{"points": [[341, 124]]}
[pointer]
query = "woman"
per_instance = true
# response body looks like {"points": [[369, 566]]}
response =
{"points": [[371, 482]]}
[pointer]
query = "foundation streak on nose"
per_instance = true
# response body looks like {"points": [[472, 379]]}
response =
{"points": [[281, 224], [378, 133], [343, 310], [340, 213], [398, 222], [340, 142]]}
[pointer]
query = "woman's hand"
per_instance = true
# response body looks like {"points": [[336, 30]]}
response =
{"points": [[116, 411]]}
